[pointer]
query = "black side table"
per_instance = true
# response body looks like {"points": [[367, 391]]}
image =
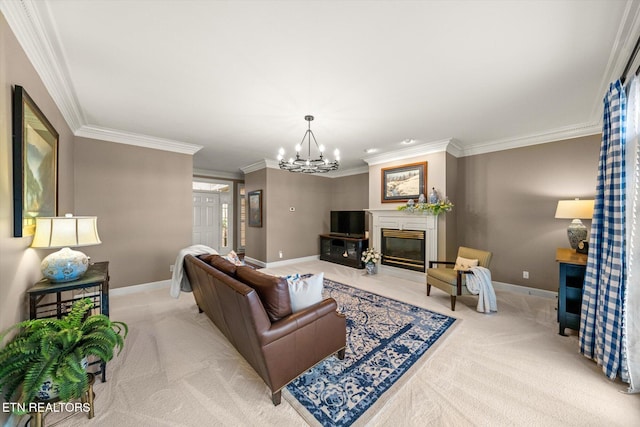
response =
{"points": [[94, 284], [572, 271]]}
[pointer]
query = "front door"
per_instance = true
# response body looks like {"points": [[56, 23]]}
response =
{"points": [[206, 219]]}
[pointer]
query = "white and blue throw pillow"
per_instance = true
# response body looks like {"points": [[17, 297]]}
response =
{"points": [[305, 291]]}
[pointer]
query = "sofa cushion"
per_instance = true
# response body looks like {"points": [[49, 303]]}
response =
{"points": [[272, 290], [220, 263], [446, 275], [305, 291]]}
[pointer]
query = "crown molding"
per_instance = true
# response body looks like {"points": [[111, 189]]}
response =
{"points": [[261, 164], [405, 153], [454, 148], [45, 55], [210, 174], [567, 132], [30, 21], [95, 132], [628, 34], [347, 172]]}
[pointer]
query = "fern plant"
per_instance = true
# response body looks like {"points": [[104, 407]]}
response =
{"points": [[53, 349]]}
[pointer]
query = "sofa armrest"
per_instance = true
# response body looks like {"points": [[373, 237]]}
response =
{"points": [[295, 321]]}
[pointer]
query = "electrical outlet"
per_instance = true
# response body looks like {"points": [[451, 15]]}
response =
{"points": [[171, 268], [525, 274], [280, 254]]}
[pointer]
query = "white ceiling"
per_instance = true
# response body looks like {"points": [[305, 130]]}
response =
{"points": [[238, 77]]}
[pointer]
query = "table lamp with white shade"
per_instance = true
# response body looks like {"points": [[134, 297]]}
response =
{"points": [[576, 210], [65, 232]]}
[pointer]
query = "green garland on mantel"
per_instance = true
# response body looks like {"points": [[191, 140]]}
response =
{"points": [[442, 206]]}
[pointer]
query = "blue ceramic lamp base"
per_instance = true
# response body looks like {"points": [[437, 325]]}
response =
{"points": [[65, 265]]}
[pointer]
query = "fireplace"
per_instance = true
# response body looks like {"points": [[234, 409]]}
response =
{"points": [[403, 248], [404, 221]]}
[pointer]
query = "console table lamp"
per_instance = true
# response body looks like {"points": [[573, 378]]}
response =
{"points": [[576, 210], [64, 232]]}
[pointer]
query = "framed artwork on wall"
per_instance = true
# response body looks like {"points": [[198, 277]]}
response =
{"points": [[35, 164], [255, 208], [401, 183]]}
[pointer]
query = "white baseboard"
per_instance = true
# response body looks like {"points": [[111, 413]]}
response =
{"points": [[293, 261], [281, 263], [416, 276], [509, 287], [255, 261], [140, 288]]}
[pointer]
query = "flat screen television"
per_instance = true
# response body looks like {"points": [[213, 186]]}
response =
{"points": [[348, 223]]}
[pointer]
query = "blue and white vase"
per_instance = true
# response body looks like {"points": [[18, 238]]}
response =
{"points": [[50, 390], [371, 268], [433, 196]]}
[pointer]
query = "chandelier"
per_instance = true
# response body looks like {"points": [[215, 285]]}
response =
{"points": [[310, 164]]}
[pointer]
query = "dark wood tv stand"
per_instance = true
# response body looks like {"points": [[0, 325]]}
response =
{"points": [[343, 250]]}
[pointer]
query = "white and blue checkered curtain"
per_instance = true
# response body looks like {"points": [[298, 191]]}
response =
{"points": [[604, 285]]}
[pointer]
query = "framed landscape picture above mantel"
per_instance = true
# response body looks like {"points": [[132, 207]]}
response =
{"points": [[402, 183], [255, 208], [35, 165]]}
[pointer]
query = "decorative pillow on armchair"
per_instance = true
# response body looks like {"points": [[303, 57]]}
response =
{"points": [[305, 291], [465, 264]]}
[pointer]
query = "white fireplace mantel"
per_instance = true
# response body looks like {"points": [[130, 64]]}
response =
{"points": [[401, 220]]}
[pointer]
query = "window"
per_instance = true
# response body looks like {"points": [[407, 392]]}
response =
{"points": [[224, 225], [242, 216], [210, 186]]}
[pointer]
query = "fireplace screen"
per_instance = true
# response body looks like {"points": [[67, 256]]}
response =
{"points": [[403, 249]]}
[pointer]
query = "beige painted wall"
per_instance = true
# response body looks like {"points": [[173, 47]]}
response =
{"points": [[507, 200], [313, 197], [451, 174], [256, 237], [143, 201], [436, 177], [349, 193], [19, 265], [296, 233]]}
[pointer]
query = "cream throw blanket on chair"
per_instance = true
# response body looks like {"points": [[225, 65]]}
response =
{"points": [[179, 280], [479, 283]]}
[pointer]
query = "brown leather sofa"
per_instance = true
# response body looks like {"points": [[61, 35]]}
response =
{"points": [[253, 310]]}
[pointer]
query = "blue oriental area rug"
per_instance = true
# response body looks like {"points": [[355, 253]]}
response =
{"points": [[385, 338]]}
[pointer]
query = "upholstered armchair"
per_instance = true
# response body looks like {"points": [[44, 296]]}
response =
{"points": [[452, 281]]}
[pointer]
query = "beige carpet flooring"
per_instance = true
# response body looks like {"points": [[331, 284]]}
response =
{"points": [[505, 369]]}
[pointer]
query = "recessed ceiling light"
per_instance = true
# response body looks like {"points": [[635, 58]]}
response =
{"points": [[371, 150], [408, 141]]}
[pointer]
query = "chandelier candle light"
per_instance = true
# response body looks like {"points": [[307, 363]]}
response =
{"points": [[66, 264], [309, 165]]}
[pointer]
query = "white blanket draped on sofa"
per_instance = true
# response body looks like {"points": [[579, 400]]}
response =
{"points": [[479, 283], [179, 280]]}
